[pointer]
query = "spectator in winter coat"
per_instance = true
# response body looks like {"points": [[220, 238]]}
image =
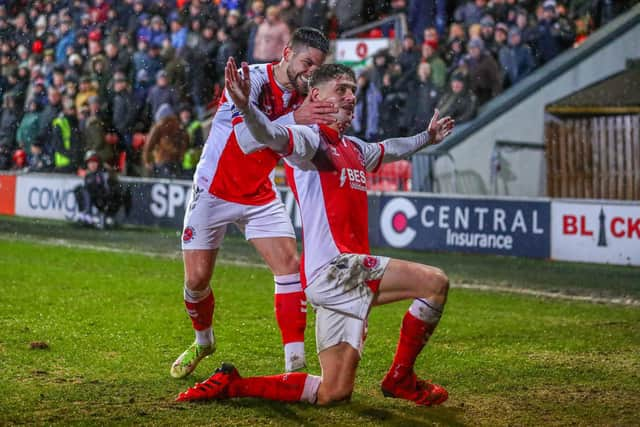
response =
{"points": [[422, 100], [458, 102], [516, 58], [470, 12], [29, 126], [271, 38], [438, 67], [124, 110], [94, 130], [553, 35], [161, 93], [409, 57], [50, 112], [165, 146], [67, 139], [483, 71]]}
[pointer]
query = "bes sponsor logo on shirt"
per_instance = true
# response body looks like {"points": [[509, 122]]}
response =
{"points": [[357, 179]]}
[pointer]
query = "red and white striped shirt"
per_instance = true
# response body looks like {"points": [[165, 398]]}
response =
{"points": [[327, 174], [224, 170]]}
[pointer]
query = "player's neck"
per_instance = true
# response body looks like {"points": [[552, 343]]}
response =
{"points": [[280, 75]]}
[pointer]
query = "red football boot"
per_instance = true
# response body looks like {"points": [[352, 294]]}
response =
{"points": [[214, 388], [403, 384]]}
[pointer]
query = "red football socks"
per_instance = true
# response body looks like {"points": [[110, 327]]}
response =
{"points": [[291, 308], [283, 387], [200, 310]]}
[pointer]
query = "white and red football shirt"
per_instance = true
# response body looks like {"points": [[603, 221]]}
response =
{"points": [[328, 176], [224, 170]]}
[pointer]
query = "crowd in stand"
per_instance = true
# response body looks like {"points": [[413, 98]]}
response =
{"points": [[129, 81]]}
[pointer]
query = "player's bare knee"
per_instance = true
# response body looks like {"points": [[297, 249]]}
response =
{"points": [[197, 281], [434, 284], [441, 282]]}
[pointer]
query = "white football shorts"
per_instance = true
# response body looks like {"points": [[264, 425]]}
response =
{"points": [[341, 294], [207, 217]]}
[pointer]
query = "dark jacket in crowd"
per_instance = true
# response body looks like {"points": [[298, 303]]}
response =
{"points": [[516, 62], [422, 100], [551, 38], [461, 106], [125, 112], [161, 95], [484, 77], [9, 121]]}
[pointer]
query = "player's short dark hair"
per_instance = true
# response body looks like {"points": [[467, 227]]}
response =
{"points": [[328, 72], [311, 37]]}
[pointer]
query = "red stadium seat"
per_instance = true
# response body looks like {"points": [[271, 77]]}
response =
{"points": [[394, 176]]}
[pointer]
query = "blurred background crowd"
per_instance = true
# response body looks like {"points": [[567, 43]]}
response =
{"points": [[132, 82]]}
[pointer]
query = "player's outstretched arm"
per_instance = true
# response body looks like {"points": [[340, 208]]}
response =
{"points": [[436, 132], [258, 126]]}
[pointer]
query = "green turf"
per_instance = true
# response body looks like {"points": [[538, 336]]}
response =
{"points": [[113, 323], [563, 277]]}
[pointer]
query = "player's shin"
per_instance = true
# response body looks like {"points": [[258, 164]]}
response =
{"points": [[418, 324], [200, 305], [292, 387], [291, 314]]}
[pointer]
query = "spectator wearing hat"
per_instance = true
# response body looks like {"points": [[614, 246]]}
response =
{"points": [[66, 139], [438, 67], [553, 34], [161, 93], [485, 79], [27, 133], [454, 54], [470, 12], [143, 31], [458, 101], [94, 130], [487, 33], [124, 110], [516, 58], [158, 30], [165, 146], [500, 37], [271, 37]]}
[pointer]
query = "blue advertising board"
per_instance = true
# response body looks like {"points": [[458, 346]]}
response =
{"points": [[492, 226]]}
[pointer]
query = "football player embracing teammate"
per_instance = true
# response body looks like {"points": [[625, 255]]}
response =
{"points": [[341, 279], [231, 187]]}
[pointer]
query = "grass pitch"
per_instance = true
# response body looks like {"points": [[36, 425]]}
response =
{"points": [[87, 337]]}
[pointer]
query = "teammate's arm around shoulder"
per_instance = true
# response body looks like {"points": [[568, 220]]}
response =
{"points": [[281, 139]]}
